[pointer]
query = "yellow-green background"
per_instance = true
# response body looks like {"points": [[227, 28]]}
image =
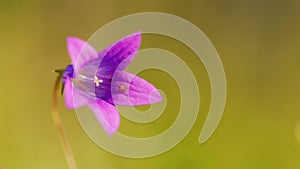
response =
{"points": [[259, 45]]}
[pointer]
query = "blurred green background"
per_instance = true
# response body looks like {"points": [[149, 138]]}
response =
{"points": [[259, 45]]}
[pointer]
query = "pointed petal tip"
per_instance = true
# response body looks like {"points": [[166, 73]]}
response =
{"points": [[137, 35], [131, 90], [155, 97], [120, 54], [134, 38], [111, 131]]}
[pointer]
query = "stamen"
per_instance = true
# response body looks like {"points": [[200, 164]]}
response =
{"points": [[97, 81]]}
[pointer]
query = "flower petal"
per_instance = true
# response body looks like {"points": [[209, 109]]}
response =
{"points": [[107, 115], [131, 90], [70, 93], [120, 55], [80, 52]]}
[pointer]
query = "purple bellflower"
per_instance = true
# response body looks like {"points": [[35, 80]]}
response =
{"points": [[99, 81]]}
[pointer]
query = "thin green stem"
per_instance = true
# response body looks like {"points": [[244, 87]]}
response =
{"points": [[58, 124], [59, 71]]}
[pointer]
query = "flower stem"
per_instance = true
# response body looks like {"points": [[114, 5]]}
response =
{"points": [[58, 124]]}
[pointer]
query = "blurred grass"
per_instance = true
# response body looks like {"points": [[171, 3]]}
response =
{"points": [[258, 42]]}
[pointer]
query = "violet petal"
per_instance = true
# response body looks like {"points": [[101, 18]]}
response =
{"points": [[120, 54], [80, 52], [70, 93], [107, 115], [131, 90]]}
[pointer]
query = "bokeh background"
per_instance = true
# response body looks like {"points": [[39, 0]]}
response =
{"points": [[259, 45]]}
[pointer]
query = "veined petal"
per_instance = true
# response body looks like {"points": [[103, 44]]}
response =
{"points": [[70, 93], [80, 52], [131, 90], [120, 55], [107, 115]]}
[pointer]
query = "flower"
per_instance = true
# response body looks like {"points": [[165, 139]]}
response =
{"points": [[99, 81]]}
